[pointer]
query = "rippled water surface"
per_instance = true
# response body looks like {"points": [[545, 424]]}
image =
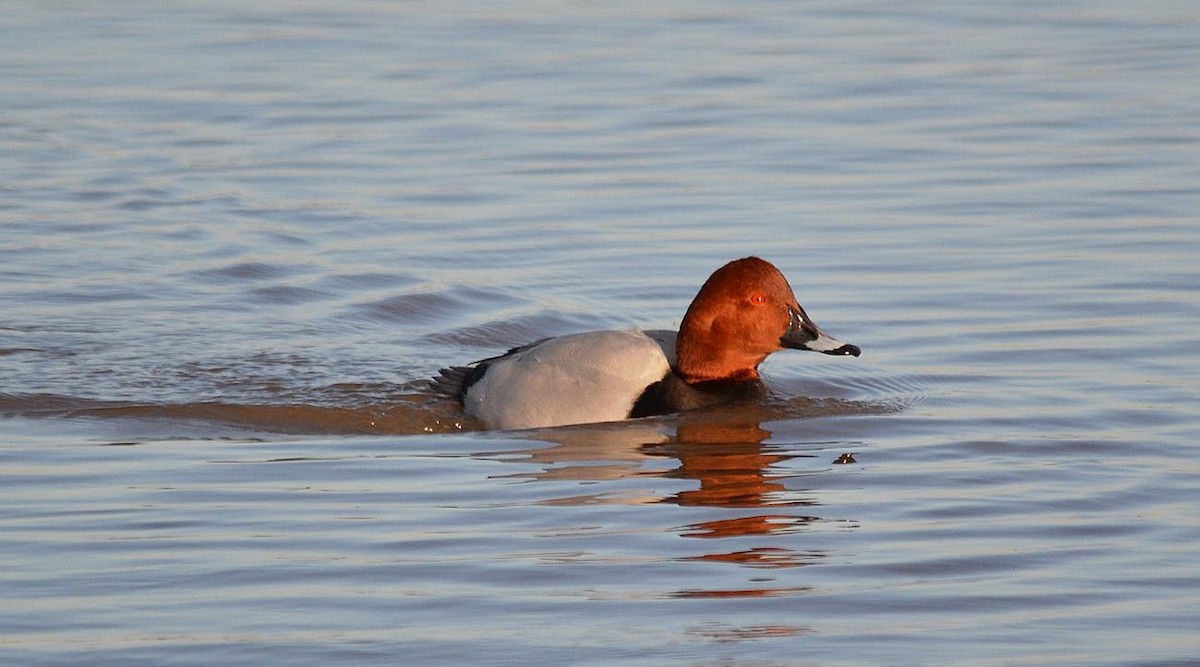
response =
{"points": [[235, 238]]}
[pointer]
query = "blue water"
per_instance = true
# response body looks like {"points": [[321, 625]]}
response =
{"points": [[236, 237]]}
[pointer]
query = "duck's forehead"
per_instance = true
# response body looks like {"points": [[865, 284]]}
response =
{"points": [[751, 274], [770, 280], [746, 276]]}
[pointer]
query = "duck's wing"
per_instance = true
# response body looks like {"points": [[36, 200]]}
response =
{"points": [[454, 381]]}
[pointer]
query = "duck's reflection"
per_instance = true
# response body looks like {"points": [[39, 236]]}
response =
{"points": [[727, 458], [720, 459], [724, 452]]}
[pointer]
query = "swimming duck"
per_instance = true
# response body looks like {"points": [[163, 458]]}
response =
{"points": [[745, 311]]}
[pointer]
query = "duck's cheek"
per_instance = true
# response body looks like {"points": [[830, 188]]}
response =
{"points": [[768, 336]]}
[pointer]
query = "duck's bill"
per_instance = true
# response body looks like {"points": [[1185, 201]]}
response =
{"points": [[802, 334], [829, 345]]}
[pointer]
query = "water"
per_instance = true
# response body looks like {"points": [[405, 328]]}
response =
{"points": [[234, 238]]}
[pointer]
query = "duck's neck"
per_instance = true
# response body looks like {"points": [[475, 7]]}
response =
{"points": [[697, 362]]}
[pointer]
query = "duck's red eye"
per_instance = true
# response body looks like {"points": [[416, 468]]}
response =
{"points": [[758, 299]]}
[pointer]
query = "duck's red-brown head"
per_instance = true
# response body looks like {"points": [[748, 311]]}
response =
{"points": [[745, 311]]}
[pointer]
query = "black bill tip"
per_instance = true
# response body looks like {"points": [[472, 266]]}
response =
{"points": [[845, 350]]}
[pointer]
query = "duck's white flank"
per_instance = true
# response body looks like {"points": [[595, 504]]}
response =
{"points": [[573, 379]]}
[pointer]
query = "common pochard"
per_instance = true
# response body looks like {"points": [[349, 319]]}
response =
{"points": [[745, 311]]}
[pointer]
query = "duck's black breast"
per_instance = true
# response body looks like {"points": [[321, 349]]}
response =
{"points": [[671, 394]]}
